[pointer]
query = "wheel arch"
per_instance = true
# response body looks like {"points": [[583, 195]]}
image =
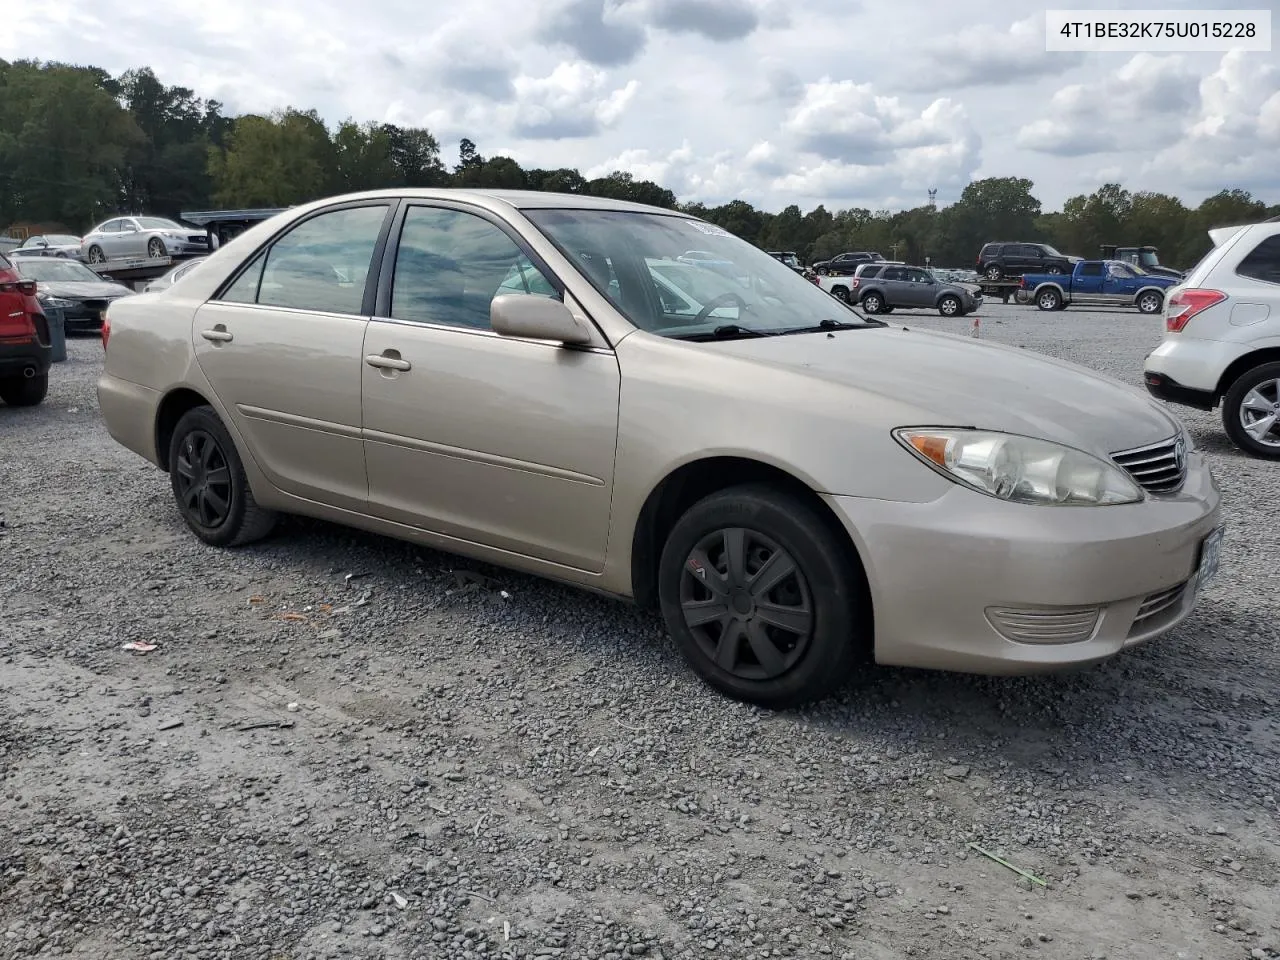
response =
{"points": [[690, 482], [1241, 365], [1150, 288], [170, 410]]}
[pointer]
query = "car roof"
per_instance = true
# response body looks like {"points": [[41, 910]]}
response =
{"points": [[518, 199]]}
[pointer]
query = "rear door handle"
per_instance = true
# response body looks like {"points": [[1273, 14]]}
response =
{"points": [[218, 334], [384, 362]]}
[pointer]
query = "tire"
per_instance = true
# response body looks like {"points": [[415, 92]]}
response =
{"points": [[873, 302], [825, 583], [1054, 271], [242, 521], [821, 271], [96, 255], [1049, 299], [155, 249], [24, 391], [993, 271], [950, 306], [1150, 302], [1263, 383], [840, 293]]}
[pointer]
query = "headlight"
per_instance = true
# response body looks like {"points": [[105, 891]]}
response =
{"points": [[1021, 469], [58, 302]]}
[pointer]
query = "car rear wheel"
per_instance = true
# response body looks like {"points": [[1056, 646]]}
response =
{"points": [[96, 255], [949, 306], [762, 598], [1150, 303], [24, 391], [840, 293], [155, 248], [209, 483], [873, 303], [1049, 300], [1251, 411], [1055, 271]]}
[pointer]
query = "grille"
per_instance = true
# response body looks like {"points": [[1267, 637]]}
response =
{"points": [[1158, 468], [1157, 609], [198, 238]]}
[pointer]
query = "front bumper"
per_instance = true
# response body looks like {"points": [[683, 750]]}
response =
{"points": [[941, 573]]}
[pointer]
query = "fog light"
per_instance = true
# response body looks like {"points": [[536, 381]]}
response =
{"points": [[1044, 625]]}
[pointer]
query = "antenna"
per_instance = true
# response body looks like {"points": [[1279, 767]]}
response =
{"points": [[933, 197]]}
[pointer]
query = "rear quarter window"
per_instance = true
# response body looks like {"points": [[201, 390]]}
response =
{"points": [[1264, 262]]}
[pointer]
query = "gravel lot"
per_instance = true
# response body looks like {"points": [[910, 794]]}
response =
{"points": [[413, 762]]}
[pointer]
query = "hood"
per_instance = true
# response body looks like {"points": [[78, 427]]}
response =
{"points": [[964, 289], [940, 379], [83, 289], [1160, 279]]}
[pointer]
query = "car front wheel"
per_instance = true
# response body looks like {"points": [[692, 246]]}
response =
{"points": [[949, 306], [155, 249], [762, 598], [1251, 411], [209, 483]]}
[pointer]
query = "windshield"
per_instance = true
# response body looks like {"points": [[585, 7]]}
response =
{"points": [[1050, 250], [49, 270], [158, 223], [648, 266], [1149, 258]]}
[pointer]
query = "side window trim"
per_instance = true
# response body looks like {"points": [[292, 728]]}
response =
{"points": [[381, 308], [259, 255]]}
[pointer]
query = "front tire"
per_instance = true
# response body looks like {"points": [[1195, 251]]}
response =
{"points": [[950, 307], [155, 249], [24, 391], [209, 483], [762, 598], [993, 272], [1251, 411]]}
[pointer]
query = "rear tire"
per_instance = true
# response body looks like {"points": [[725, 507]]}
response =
{"points": [[873, 302], [96, 255], [1245, 399], [1150, 303], [786, 629], [209, 483], [24, 391], [1049, 300], [840, 293]]}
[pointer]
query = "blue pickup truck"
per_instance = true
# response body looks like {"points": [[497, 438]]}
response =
{"points": [[1097, 283]]}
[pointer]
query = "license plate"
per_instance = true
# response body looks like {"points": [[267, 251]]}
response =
{"points": [[1210, 554]]}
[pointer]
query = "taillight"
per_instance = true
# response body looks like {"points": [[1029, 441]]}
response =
{"points": [[1185, 304], [24, 287], [854, 282], [106, 330]]}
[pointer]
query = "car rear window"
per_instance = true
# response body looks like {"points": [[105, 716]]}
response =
{"points": [[1264, 262]]}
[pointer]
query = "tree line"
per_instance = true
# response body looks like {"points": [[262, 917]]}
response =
{"points": [[78, 145]]}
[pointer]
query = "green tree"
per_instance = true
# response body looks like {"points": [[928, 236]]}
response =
{"points": [[64, 142], [415, 153], [274, 161], [362, 157]]}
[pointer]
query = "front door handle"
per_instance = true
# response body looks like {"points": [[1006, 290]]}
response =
{"points": [[388, 361], [218, 334]]}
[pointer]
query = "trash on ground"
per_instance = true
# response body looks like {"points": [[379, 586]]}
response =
{"points": [[170, 725], [138, 646], [246, 725], [1005, 863]]}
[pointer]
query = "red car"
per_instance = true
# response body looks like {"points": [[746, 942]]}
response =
{"points": [[25, 348]]}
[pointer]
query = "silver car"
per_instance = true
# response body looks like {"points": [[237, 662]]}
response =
{"points": [[59, 245], [173, 276], [127, 238]]}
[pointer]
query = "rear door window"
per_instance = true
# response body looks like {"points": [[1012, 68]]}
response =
{"points": [[1264, 262]]}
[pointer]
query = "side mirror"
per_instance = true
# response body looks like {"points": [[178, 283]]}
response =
{"points": [[536, 318]]}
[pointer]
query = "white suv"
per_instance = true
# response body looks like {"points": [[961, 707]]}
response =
{"points": [[1222, 337]]}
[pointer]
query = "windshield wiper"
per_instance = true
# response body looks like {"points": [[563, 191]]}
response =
{"points": [[728, 331], [839, 325]]}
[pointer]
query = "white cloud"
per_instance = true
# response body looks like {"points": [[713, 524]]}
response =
{"points": [[573, 101], [1135, 107], [982, 56]]}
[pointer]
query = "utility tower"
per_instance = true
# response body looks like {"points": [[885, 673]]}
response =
{"points": [[933, 197]]}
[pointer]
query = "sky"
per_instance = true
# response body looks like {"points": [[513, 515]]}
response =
{"points": [[847, 103]]}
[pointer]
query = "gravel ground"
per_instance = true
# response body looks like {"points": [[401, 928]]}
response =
{"points": [[345, 746]]}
